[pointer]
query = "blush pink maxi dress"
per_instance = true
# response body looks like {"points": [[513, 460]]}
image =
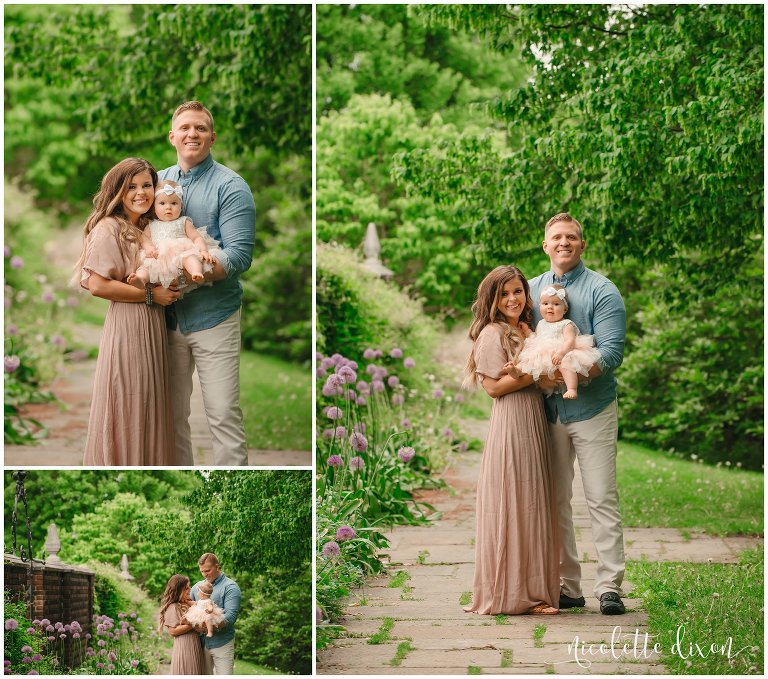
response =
{"points": [[131, 420], [517, 549], [188, 656]]}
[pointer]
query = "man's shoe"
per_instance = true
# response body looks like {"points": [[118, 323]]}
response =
{"points": [[569, 602], [611, 604]]}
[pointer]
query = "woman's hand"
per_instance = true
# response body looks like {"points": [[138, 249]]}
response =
{"points": [[511, 369], [164, 296]]}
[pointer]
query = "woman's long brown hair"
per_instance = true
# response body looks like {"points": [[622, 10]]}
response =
{"points": [[485, 310], [172, 595], [108, 202]]}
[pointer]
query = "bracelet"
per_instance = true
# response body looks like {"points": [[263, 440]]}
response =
{"points": [[149, 295]]}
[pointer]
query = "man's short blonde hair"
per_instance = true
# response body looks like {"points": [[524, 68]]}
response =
{"points": [[564, 217], [192, 106], [208, 557]]}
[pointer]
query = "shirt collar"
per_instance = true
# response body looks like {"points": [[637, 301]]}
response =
{"points": [[570, 276], [197, 170]]}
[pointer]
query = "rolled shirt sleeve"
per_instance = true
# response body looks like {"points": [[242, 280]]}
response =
{"points": [[231, 603], [237, 225], [609, 326]]}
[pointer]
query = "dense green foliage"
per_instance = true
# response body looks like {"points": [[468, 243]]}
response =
{"points": [[644, 122], [257, 522], [708, 605], [86, 85]]}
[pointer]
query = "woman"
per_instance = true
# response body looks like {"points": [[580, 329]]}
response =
{"points": [[187, 657], [131, 421], [516, 549]]}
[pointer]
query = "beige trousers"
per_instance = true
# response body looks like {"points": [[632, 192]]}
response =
{"points": [[593, 442], [220, 660], [216, 355]]}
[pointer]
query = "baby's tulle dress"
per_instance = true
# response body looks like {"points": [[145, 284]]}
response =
{"points": [[536, 356], [196, 615], [173, 246]]}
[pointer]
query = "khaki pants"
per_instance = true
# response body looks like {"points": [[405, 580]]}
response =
{"points": [[220, 660], [216, 355], [593, 442]]}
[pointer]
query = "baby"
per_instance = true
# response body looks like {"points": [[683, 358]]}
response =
{"points": [[171, 243], [556, 345], [204, 611]]}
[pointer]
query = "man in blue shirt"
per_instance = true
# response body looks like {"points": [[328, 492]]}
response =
{"points": [[220, 648], [586, 427], [204, 326]]}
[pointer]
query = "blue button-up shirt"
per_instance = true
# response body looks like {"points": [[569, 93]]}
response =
{"points": [[218, 199], [226, 594], [596, 307]]}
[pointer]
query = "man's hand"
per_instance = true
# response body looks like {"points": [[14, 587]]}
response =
{"points": [[545, 382]]}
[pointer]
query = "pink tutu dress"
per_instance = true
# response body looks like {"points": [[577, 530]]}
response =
{"points": [[173, 246], [536, 356], [196, 614]]}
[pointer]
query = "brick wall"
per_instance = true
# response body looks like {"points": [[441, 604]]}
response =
{"points": [[60, 592]]}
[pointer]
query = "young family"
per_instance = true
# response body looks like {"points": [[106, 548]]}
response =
{"points": [[525, 551], [167, 249], [201, 620]]}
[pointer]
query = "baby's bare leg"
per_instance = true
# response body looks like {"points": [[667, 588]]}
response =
{"points": [[140, 278], [209, 626], [193, 264], [571, 381]]}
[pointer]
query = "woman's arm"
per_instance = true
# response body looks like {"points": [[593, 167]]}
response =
{"points": [[179, 630], [505, 384], [117, 291]]}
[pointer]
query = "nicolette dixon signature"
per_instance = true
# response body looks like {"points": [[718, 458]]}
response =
{"points": [[639, 646]]}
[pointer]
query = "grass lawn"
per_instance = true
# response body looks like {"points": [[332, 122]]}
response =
{"points": [[245, 667], [276, 398], [705, 604], [659, 491]]}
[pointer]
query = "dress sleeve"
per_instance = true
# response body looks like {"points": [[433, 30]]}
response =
{"points": [[490, 356], [102, 255], [172, 616]]}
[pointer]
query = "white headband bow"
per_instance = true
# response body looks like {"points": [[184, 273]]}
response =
{"points": [[168, 190], [553, 292]]}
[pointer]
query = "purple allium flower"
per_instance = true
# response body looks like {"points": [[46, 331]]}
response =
{"points": [[26, 660], [76, 635], [347, 375], [361, 400], [67, 628], [50, 628], [369, 354], [133, 615], [45, 622], [138, 621], [337, 358], [398, 399], [409, 363], [11, 624], [88, 635], [12, 330], [393, 381], [48, 297], [378, 385], [363, 387], [356, 463], [6, 254], [110, 667], [345, 533], [319, 615], [134, 663], [333, 385], [12, 363], [405, 423], [99, 665], [331, 549], [459, 398], [448, 433], [335, 461], [463, 447], [32, 672], [396, 353], [112, 657], [327, 363], [359, 442], [103, 652], [334, 413], [359, 427], [17, 262], [378, 353], [62, 636], [51, 638], [321, 372], [72, 301], [31, 630], [37, 657], [438, 393], [381, 373], [371, 369], [319, 355], [350, 395], [406, 453], [327, 433], [102, 643], [26, 649], [340, 432]]}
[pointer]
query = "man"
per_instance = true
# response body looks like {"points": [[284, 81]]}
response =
{"points": [[204, 326], [220, 648], [586, 428]]}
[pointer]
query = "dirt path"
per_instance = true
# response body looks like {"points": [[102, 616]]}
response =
{"points": [[434, 636]]}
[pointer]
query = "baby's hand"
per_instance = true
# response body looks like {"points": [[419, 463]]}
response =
{"points": [[511, 369], [152, 252], [557, 357], [207, 257]]}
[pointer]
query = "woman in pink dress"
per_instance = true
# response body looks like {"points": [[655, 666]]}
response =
{"points": [[516, 549], [187, 656], [131, 421]]}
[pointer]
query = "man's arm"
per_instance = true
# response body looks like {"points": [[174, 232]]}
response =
{"points": [[231, 603], [609, 326], [237, 224]]}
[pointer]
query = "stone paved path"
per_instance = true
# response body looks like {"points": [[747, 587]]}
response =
{"points": [[439, 561]]}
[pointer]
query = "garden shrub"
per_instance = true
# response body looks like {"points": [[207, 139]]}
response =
{"points": [[114, 595], [274, 627]]}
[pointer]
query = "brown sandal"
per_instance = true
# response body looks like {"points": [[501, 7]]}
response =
{"points": [[542, 609]]}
